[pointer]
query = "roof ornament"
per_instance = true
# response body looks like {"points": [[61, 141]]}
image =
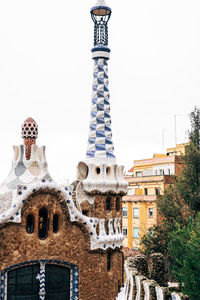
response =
{"points": [[100, 15], [29, 134]]}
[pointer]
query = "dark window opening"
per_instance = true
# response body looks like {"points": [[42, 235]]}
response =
{"points": [[157, 191], [22, 283], [146, 191], [117, 204], [150, 212], [107, 227], [43, 223], [30, 224], [108, 170], [108, 204], [85, 212], [108, 261], [57, 282], [119, 286], [98, 170], [55, 223]]}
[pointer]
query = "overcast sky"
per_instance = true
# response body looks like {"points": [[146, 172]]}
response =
{"points": [[46, 73]]}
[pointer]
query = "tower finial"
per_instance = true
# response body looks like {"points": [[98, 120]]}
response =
{"points": [[100, 15], [29, 134]]}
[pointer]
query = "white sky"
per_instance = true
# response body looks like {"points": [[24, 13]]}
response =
{"points": [[46, 72]]}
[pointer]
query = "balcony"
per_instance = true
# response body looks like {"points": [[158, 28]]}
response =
{"points": [[140, 198]]}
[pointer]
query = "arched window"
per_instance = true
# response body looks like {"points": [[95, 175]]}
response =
{"points": [[55, 223], [108, 204], [43, 223], [117, 204], [30, 223], [108, 261]]}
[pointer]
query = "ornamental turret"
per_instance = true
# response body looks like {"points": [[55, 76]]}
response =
{"points": [[99, 171], [29, 134]]}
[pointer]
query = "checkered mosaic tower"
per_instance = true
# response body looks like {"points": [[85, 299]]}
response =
{"points": [[100, 144]]}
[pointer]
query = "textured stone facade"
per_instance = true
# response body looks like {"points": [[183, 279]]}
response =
{"points": [[71, 244]]}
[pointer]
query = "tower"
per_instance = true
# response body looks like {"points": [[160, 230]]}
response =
{"points": [[100, 180], [100, 176]]}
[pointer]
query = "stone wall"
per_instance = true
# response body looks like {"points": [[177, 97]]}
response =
{"points": [[140, 287], [71, 243]]}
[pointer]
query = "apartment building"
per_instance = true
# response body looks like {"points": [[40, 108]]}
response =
{"points": [[147, 179]]}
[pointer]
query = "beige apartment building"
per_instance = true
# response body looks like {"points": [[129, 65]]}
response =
{"points": [[147, 179]]}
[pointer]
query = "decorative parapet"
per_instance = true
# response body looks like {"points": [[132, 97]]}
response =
{"points": [[149, 289], [138, 287], [101, 178]]}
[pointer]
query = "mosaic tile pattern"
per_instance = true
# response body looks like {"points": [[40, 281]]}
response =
{"points": [[100, 143], [23, 172], [74, 281]]}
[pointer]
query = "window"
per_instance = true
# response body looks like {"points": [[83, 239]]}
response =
{"points": [[98, 170], [108, 204], [57, 282], [55, 223], [43, 223], [124, 211], [136, 212], [130, 192], [138, 174], [157, 190], [150, 212], [22, 283], [136, 232], [145, 191], [169, 171], [162, 172], [30, 223], [117, 204], [125, 231], [108, 261]]}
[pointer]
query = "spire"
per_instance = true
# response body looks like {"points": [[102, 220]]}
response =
{"points": [[99, 173], [29, 134], [100, 145]]}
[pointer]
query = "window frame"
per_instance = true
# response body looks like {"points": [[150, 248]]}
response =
{"points": [[149, 214], [136, 216], [136, 236], [125, 209], [125, 228]]}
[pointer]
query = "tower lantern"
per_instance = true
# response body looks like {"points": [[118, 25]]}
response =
{"points": [[100, 15]]}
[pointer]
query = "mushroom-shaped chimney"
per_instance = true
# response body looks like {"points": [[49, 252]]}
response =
{"points": [[100, 15], [29, 134]]}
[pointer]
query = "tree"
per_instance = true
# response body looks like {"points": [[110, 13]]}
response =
{"points": [[184, 249], [189, 183]]}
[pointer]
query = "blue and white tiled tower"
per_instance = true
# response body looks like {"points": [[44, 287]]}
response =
{"points": [[100, 145], [99, 171]]}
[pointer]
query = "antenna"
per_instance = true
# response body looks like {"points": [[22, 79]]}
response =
{"points": [[175, 130], [163, 141]]}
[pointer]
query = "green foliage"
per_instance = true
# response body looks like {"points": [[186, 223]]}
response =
{"points": [[178, 234], [184, 248], [156, 240]]}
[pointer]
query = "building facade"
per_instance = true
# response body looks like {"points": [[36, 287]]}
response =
{"points": [[64, 242], [146, 181]]}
